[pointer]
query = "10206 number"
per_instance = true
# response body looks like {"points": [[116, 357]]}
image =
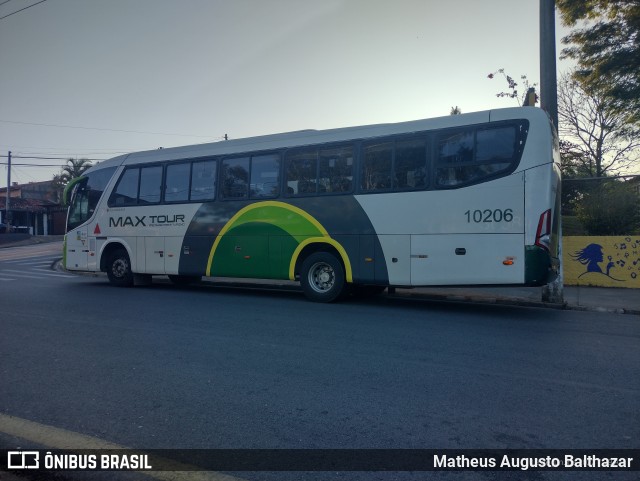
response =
{"points": [[489, 215]]}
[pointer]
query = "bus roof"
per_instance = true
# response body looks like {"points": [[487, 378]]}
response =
{"points": [[311, 137]]}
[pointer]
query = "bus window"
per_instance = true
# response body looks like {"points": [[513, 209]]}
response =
{"points": [[177, 183], [410, 170], [456, 148], [203, 180], [150, 185], [496, 144], [336, 169], [126, 192], [86, 195], [465, 158], [302, 172], [265, 171], [235, 178], [376, 167]]}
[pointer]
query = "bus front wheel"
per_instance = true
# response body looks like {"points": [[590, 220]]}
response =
{"points": [[322, 277], [119, 269]]}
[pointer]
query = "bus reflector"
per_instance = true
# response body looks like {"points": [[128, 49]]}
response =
{"points": [[97, 230], [508, 261], [543, 233]]}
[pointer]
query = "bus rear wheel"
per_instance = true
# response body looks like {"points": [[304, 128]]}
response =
{"points": [[322, 277], [119, 269]]}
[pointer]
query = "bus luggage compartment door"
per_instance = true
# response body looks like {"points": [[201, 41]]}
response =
{"points": [[461, 259]]}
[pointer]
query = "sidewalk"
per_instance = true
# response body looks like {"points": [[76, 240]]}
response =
{"points": [[17, 240], [604, 299]]}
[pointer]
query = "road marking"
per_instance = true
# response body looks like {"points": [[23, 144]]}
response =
{"points": [[33, 270], [49, 273], [58, 438], [39, 262], [17, 273]]}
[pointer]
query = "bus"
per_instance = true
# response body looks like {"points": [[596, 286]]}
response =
{"points": [[469, 199]]}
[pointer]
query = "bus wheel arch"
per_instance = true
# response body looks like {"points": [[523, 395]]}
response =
{"points": [[322, 273], [116, 261]]}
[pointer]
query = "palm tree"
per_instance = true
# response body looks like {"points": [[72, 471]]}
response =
{"points": [[74, 169]]}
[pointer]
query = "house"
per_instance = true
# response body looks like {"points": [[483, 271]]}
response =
{"points": [[34, 208]]}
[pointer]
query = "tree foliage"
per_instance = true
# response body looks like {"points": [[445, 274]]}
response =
{"points": [[610, 208], [607, 49], [596, 137], [74, 169]]}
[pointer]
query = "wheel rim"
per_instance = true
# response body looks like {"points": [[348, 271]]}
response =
{"points": [[322, 277], [120, 268]]}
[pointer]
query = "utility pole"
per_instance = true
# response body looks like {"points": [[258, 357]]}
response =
{"points": [[7, 215], [549, 102], [548, 77]]}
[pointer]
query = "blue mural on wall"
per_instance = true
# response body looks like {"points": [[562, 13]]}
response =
{"points": [[623, 262]]}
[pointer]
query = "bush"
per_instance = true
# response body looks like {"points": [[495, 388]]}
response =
{"points": [[610, 209]]}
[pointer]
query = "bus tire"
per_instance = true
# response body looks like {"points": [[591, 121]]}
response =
{"points": [[119, 269], [322, 277]]}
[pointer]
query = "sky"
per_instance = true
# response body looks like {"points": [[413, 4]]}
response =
{"points": [[97, 78]]}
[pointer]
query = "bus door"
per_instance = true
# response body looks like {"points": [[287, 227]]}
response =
{"points": [[76, 253], [77, 249]]}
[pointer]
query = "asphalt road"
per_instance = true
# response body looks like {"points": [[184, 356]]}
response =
{"points": [[214, 367]]}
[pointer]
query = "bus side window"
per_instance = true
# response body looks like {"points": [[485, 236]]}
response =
{"points": [[235, 178], [410, 168], [265, 172], [177, 183], [126, 193], [336, 169], [150, 184], [496, 145], [302, 172], [376, 167], [466, 157], [203, 180]]}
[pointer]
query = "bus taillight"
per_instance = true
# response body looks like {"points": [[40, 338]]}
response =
{"points": [[543, 233]]}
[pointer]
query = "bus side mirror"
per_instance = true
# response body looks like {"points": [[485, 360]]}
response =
{"points": [[68, 190]]}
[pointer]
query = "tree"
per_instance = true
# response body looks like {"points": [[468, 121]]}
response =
{"points": [[74, 169], [455, 111], [607, 50], [596, 137]]}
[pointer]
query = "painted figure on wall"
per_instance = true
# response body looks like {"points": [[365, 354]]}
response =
{"points": [[591, 256]]}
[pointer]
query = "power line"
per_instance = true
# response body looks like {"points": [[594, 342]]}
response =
{"points": [[22, 9], [105, 129], [32, 165], [6, 1], [47, 158]]}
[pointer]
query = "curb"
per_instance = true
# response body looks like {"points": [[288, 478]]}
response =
{"points": [[495, 301]]}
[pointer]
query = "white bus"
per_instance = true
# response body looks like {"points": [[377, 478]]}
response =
{"points": [[468, 199]]}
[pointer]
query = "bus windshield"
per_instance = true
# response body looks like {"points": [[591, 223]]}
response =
{"points": [[85, 195]]}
